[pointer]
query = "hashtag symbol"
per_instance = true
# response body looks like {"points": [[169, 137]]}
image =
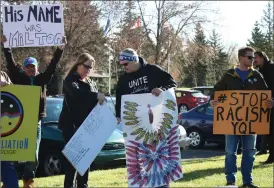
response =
{"points": [[222, 98]]}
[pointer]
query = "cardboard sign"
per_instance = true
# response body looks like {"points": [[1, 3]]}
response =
{"points": [[33, 25], [19, 120], [241, 112]]}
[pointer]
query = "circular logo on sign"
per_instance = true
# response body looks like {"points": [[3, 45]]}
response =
{"points": [[11, 114]]}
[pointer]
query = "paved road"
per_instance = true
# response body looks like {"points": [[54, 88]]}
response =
{"points": [[208, 151]]}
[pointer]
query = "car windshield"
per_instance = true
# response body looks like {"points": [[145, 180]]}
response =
{"points": [[197, 94], [54, 108], [116, 136]]}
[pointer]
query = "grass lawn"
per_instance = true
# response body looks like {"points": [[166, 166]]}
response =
{"points": [[197, 173]]}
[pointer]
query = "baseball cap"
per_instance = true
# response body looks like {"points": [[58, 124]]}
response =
{"points": [[30, 61]]}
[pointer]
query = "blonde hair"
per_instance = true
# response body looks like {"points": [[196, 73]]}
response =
{"points": [[84, 57]]}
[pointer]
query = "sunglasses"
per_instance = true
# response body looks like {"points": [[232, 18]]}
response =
{"points": [[250, 57], [125, 64], [87, 66]]}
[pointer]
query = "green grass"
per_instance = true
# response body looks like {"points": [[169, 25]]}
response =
{"points": [[197, 173]]}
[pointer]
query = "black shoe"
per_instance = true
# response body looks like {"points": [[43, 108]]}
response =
{"points": [[261, 153], [250, 185], [230, 183]]}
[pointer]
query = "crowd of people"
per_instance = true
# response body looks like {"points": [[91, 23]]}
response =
{"points": [[81, 96]]}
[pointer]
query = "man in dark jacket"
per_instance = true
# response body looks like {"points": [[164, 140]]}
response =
{"points": [[266, 68], [140, 77], [243, 77], [30, 76]]}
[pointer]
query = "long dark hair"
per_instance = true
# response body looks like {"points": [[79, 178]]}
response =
{"points": [[263, 55], [80, 60]]}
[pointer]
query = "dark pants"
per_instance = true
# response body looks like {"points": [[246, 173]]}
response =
{"points": [[264, 145], [9, 175], [70, 172], [31, 166], [270, 139]]}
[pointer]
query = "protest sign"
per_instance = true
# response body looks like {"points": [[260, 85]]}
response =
{"points": [[241, 112], [19, 120], [33, 25], [153, 155], [90, 138]]}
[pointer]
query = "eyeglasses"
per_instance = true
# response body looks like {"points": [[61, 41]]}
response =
{"points": [[250, 57], [87, 66]]}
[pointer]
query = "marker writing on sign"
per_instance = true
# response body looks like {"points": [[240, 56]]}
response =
{"points": [[22, 39], [249, 110], [43, 14]]}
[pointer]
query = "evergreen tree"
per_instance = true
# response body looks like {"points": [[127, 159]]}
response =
{"points": [[201, 53], [268, 23], [258, 39], [200, 37], [219, 57]]}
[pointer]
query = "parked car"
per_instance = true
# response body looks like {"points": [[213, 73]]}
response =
{"points": [[198, 123], [188, 99], [183, 139], [50, 157], [206, 90]]}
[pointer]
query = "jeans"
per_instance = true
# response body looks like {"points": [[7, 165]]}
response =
{"points": [[249, 151], [31, 166], [9, 175], [70, 172]]}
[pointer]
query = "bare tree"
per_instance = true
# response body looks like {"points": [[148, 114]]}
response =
{"points": [[185, 15]]}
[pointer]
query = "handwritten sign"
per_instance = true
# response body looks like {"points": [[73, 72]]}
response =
{"points": [[19, 122], [90, 138], [33, 25], [241, 112]]}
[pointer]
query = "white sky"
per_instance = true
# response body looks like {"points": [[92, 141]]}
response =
{"points": [[235, 19], [238, 18]]}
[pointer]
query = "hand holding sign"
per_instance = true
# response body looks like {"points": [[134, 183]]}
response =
{"points": [[270, 103], [64, 41], [3, 39]]}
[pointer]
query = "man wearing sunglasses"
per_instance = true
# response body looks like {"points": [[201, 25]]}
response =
{"points": [[243, 77], [29, 75], [266, 68], [140, 77]]}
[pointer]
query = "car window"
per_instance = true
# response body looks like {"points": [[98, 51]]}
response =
{"points": [[54, 108], [197, 94], [201, 109], [178, 94], [209, 110], [207, 92]]}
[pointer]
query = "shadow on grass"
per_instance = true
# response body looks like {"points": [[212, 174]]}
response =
{"points": [[197, 174], [194, 161]]}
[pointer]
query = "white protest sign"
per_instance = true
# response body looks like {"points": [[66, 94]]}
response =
{"points": [[151, 135], [33, 25], [90, 138]]}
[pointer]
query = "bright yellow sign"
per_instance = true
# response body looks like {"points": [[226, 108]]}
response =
{"points": [[19, 119]]}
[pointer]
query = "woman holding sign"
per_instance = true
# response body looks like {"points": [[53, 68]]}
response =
{"points": [[81, 97]]}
